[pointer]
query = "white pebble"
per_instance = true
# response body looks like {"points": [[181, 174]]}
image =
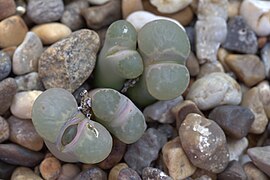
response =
{"points": [[98, 2], [170, 6]]}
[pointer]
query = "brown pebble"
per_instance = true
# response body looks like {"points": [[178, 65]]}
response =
{"points": [[12, 31], [210, 67], [24, 173], [262, 41], [221, 56], [114, 172], [94, 173], [205, 175], [253, 173], [130, 6], [4, 130], [193, 64], [69, 171], [7, 8], [50, 168]]}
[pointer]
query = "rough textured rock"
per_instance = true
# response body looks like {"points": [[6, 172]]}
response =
{"points": [[69, 62], [253, 172], [8, 89], [92, 173], [50, 168], [233, 171], [128, 173], [7, 8], [237, 147], [5, 65], [4, 129], [150, 173], [28, 82], [24, 173]]}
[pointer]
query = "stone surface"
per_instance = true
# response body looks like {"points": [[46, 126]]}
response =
{"points": [[204, 143], [130, 6], [176, 160], [264, 94], [12, 31], [8, 89], [69, 171], [210, 67], [28, 82], [233, 8], [237, 147], [234, 120], [114, 172], [222, 54], [22, 104], [72, 17], [265, 56], [213, 90], [248, 68], [25, 57], [161, 110], [143, 152], [6, 170], [7, 8], [234, 171], [18, 155], [168, 130], [92, 173], [251, 100], [240, 37], [5, 65], [4, 129], [50, 33], [201, 174], [150, 173], [128, 173], [24, 173], [44, 11], [193, 64], [100, 16], [69, 62], [253, 172], [23, 132], [170, 6], [50, 168], [210, 8]]}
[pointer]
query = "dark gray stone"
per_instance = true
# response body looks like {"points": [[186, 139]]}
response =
{"points": [[233, 171], [6, 170], [5, 65]]}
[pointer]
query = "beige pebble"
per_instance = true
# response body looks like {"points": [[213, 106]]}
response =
{"points": [[113, 175], [68, 171], [221, 56], [264, 93], [233, 8], [129, 6], [51, 32], [24, 173], [50, 168], [170, 6], [193, 64], [12, 31], [22, 104], [253, 173], [210, 67]]}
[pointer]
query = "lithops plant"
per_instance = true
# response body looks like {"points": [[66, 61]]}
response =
{"points": [[118, 59], [71, 136]]}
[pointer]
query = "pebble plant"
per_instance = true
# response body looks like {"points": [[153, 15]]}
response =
{"points": [[82, 134]]}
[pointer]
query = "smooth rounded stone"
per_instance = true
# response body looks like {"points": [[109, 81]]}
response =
{"points": [[44, 11], [72, 15], [265, 56], [97, 17], [221, 56], [264, 93], [28, 82], [204, 143], [5, 65], [98, 2], [8, 89], [181, 110], [23, 132], [12, 31], [213, 90], [22, 104], [69, 171], [253, 172], [251, 100], [92, 173], [176, 160], [26, 56], [143, 152], [210, 33], [114, 172], [130, 6], [234, 120], [260, 157], [248, 68], [193, 64], [256, 14], [171, 6], [212, 8], [128, 173], [233, 8], [233, 171], [240, 37], [6, 170], [237, 147], [69, 62], [150, 173], [50, 33], [50, 168], [18, 155], [4, 129], [115, 156], [24, 173], [161, 110], [210, 67], [7, 8]]}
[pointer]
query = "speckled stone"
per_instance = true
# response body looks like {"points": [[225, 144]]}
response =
{"points": [[143, 152], [237, 147], [193, 64], [8, 89], [4, 129], [6, 170], [26, 55], [234, 120], [208, 8], [24, 173], [128, 173], [92, 173], [44, 11], [240, 37], [50, 168], [28, 82], [234, 171], [69, 171], [253, 172], [265, 56], [150, 173], [7, 8], [248, 68], [69, 62], [210, 67], [213, 90], [204, 143], [114, 172], [5, 65]]}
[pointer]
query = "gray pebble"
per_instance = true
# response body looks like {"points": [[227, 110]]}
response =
{"points": [[8, 89], [4, 129], [265, 55], [5, 65], [92, 173], [30, 81], [150, 173], [210, 8], [233, 171], [128, 174]]}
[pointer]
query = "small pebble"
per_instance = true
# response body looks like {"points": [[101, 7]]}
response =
{"points": [[222, 54], [25, 57], [92, 173], [212, 8], [8, 89], [7, 8], [24, 173], [150, 173], [248, 68], [28, 82], [22, 104], [49, 33], [240, 37], [69, 171], [260, 157], [50, 168], [262, 41], [176, 160], [234, 171], [12, 31], [4, 129], [128, 173], [23, 132], [143, 152], [213, 90], [233, 8], [98, 2], [210, 67], [114, 172], [6, 170], [5, 65], [130, 6], [234, 120], [69, 62], [204, 143], [265, 56], [170, 6], [254, 173], [193, 64], [264, 94], [18, 155], [44, 11], [237, 147]]}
